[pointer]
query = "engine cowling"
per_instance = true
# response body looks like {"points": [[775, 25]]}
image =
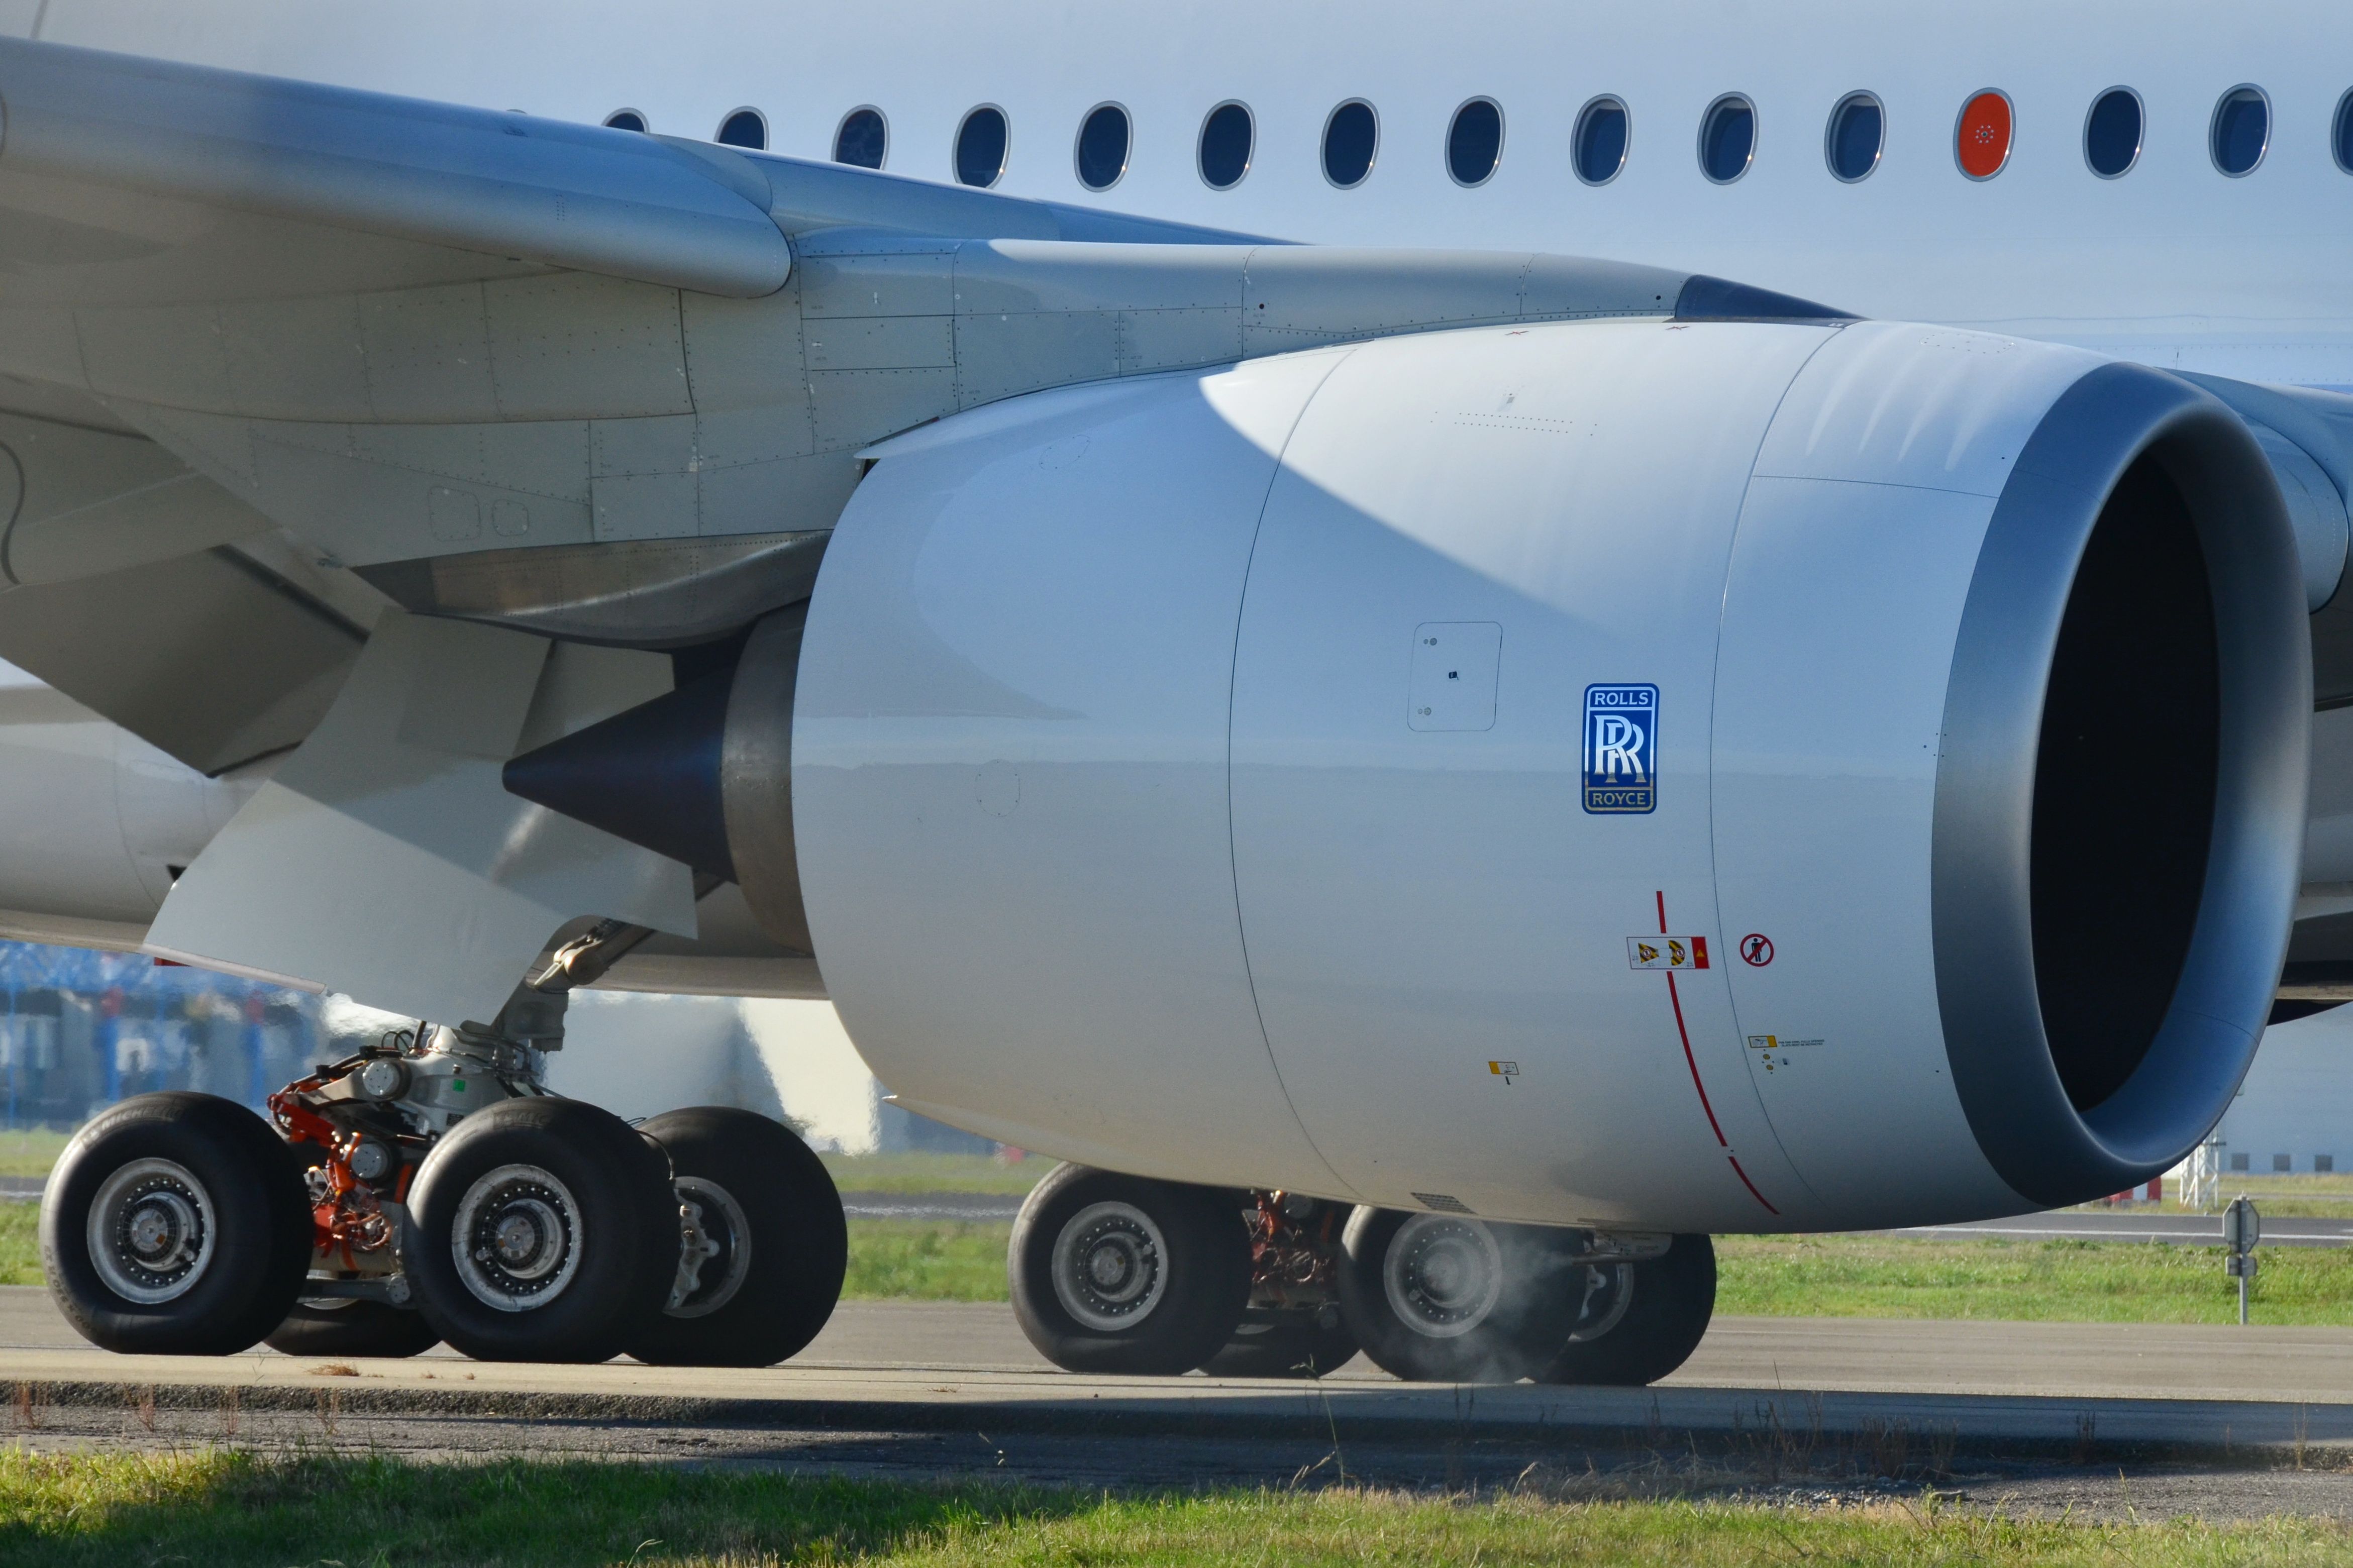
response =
{"points": [[1190, 776], [1682, 775]]}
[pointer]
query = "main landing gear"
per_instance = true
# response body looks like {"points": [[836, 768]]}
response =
{"points": [[1127, 1274], [429, 1189]]}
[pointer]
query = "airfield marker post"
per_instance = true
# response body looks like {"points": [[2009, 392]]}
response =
{"points": [[2243, 1228]]}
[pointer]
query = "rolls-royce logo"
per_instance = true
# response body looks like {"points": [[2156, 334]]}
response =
{"points": [[1621, 749]]}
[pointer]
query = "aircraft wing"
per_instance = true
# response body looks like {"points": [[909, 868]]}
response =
{"points": [[411, 190]]}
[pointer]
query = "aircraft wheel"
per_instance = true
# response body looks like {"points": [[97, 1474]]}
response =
{"points": [[1635, 1322], [760, 1267], [542, 1229], [175, 1224], [1442, 1298], [353, 1328], [1126, 1275], [1283, 1349]]}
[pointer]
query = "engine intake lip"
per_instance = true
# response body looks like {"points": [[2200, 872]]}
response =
{"points": [[1982, 893]]}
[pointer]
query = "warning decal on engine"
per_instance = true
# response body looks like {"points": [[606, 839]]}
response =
{"points": [[1621, 749], [1666, 952]]}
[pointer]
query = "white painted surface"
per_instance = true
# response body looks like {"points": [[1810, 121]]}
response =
{"points": [[2173, 263], [1417, 904], [1009, 776], [92, 819]]}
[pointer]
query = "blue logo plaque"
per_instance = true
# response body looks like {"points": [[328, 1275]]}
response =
{"points": [[1621, 750]]}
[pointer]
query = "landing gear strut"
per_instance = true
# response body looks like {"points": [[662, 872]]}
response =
{"points": [[1292, 1327]]}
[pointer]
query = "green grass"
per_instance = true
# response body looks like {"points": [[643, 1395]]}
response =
{"points": [[30, 1151], [918, 1173], [20, 1243], [923, 1260], [2033, 1281], [231, 1509]]}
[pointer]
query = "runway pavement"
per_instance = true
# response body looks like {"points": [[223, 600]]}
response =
{"points": [[902, 1365]]}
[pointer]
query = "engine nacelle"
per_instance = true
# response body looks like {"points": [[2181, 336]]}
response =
{"points": [[1250, 777]]}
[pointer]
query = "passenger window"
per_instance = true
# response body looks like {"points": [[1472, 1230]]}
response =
{"points": [[1227, 138], [1981, 137], [2112, 133], [981, 144], [1727, 138], [1474, 144], [2242, 131], [862, 139], [1101, 152], [744, 128], [1858, 132], [1351, 136], [2341, 133], [1603, 129], [626, 120]]}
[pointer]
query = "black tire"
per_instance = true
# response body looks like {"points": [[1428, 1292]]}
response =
{"points": [[224, 1201], [354, 1327], [773, 1296], [1176, 1302], [1283, 1350], [586, 1207], [1460, 1332], [1667, 1307]]}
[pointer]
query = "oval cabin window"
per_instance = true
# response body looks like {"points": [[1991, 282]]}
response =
{"points": [[1351, 136], [1102, 147], [862, 139], [1474, 144], [1857, 134], [1603, 129], [981, 144]]}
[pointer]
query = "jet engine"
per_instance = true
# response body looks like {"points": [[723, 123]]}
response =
{"points": [[1691, 776]]}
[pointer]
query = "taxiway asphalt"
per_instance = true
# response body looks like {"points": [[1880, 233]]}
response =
{"points": [[919, 1365]]}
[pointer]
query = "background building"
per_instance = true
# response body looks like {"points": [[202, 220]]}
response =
{"points": [[2294, 1112]]}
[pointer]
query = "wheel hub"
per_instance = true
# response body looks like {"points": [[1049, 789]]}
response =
{"points": [[1110, 1266], [517, 1240], [151, 1232], [714, 1248], [1443, 1274], [1607, 1289]]}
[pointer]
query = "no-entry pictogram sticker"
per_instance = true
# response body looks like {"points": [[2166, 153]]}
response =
{"points": [[1756, 949]]}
